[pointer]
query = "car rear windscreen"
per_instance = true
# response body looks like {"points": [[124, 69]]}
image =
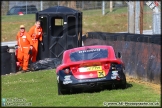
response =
{"points": [[89, 54]]}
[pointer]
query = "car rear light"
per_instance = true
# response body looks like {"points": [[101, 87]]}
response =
{"points": [[113, 66], [20, 13], [74, 69], [117, 77], [106, 66], [67, 71]]}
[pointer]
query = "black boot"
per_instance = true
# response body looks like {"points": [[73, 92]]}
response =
{"points": [[20, 68], [24, 71]]}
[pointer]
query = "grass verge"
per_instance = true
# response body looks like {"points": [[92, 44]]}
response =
{"points": [[40, 88]]}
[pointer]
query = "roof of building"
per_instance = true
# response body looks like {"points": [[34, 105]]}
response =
{"points": [[60, 9]]}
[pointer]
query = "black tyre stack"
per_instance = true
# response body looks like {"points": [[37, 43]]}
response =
{"points": [[13, 59], [8, 61]]}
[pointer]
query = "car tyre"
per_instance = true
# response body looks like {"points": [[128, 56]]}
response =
{"points": [[124, 83], [62, 92], [4, 49]]}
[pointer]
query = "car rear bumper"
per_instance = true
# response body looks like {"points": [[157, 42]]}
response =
{"points": [[69, 81], [91, 85]]}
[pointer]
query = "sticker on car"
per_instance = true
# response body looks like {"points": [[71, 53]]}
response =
{"points": [[101, 73], [67, 82], [58, 78], [114, 74], [67, 79]]}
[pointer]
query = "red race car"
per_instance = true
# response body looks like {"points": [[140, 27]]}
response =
{"points": [[90, 67]]}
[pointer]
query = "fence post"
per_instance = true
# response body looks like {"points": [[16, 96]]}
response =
{"points": [[41, 3], [131, 18], [58, 3], [111, 6], [26, 7], [156, 19], [141, 17], [137, 15], [156, 23], [82, 5], [103, 7]]}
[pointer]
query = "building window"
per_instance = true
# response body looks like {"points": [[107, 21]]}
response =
{"points": [[44, 24], [56, 26], [71, 25]]}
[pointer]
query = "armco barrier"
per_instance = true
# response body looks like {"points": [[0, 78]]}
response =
{"points": [[140, 53]]}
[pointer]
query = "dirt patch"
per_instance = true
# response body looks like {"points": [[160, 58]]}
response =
{"points": [[155, 87]]}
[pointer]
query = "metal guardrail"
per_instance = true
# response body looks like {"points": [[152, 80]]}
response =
{"points": [[9, 44]]}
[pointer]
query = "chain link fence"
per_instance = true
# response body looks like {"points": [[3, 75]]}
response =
{"points": [[78, 5]]}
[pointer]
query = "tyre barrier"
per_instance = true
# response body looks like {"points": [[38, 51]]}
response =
{"points": [[140, 53], [13, 59], [4, 49], [8, 60]]}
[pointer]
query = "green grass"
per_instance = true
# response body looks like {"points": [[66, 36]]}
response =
{"points": [[10, 25], [93, 20], [40, 88], [97, 12]]}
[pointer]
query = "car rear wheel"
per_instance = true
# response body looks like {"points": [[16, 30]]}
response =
{"points": [[62, 92], [123, 85]]}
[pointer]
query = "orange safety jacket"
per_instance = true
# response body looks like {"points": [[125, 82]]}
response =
{"points": [[34, 33], [23, 39]]}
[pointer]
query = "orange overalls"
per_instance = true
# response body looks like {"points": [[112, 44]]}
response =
{"points": [[36, 34], [24, 42]]}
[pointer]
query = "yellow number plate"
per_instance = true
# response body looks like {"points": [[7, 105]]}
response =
{"points": [[92, 68]]}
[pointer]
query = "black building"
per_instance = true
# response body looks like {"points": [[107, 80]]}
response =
{"points": [[62, 30]]}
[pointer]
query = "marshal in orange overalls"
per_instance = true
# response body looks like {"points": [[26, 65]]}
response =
{"points": [[24, 43], [36, 33]]}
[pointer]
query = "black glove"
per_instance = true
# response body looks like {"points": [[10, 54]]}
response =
{"points": [[42, 46], [42, 43], [30, 51], [16, 46]]}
